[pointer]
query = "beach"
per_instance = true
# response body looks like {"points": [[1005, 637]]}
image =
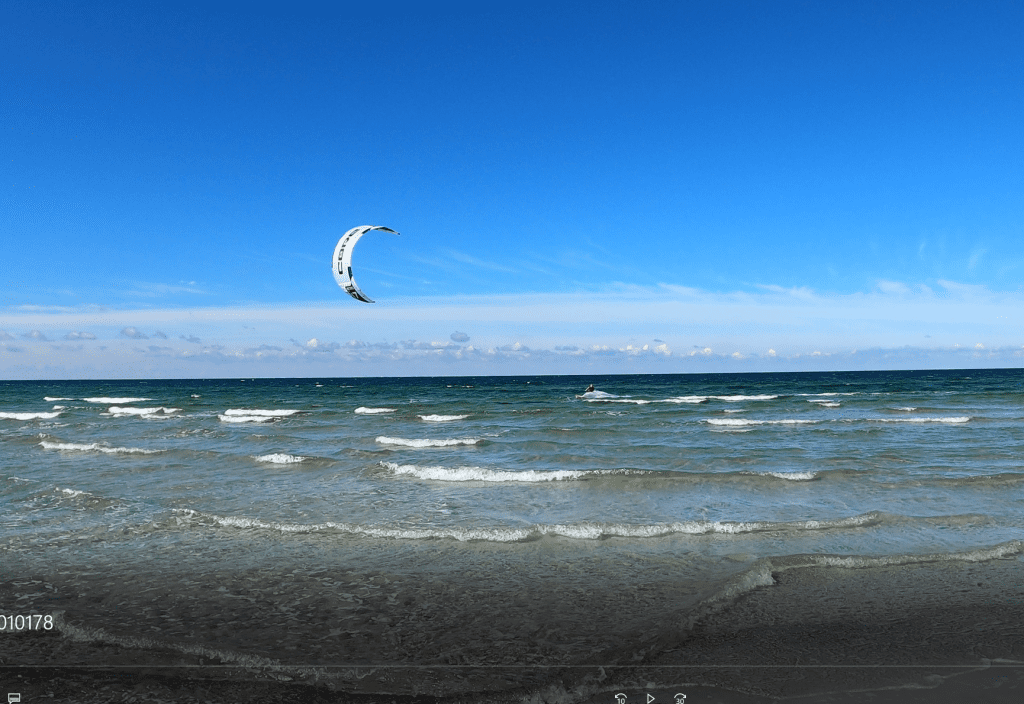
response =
{"points": [[830, 537], [817, 634]]}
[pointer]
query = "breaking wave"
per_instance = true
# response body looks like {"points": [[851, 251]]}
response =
{"points": [[94, 447], [253, 415], [420, 442], [279, 458], [29, 415], [112, 399], [155, 412], [578, 531], [481, 474]]}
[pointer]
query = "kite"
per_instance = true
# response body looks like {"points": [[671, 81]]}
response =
{"points": [[343, 260]]}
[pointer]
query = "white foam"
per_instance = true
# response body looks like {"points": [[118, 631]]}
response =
{"points": [[94, 447], [249, 412], [948, 419], [56, 398], [739, 397], [685, 399], [279, 458], [792, 476], [590, 395], [824, 402], [73, 492], [581, 531], [905, 408], [245, 419], [384, 440], [114, 399], [996, 552], [154, 412], [442, 419], [363, 410], [481, 474], [747, 421], [29, 415]]}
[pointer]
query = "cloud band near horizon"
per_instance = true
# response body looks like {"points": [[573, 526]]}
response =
{"points": [[629, 330]]}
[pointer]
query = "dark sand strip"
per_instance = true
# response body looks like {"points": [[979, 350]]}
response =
{"points": [[930, 632]]}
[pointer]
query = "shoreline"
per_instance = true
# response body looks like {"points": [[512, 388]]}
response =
{"points": [[816, 634]]}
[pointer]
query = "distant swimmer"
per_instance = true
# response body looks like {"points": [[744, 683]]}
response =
{"points": [[589, 389]]}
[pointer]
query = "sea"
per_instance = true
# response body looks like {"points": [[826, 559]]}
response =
{"points": [[296, 523]]}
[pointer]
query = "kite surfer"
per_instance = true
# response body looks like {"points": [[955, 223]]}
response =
{"points": [[589, 389]]}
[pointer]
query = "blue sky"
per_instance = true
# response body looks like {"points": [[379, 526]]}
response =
{"points": [[580, 187]]}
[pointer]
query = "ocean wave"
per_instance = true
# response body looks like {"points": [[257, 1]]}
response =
{"points": [[948, 419], [113, 399], [154, 412], [739, 422], [441, 419], [87, 634], [254, 415], [685, 399], [731, 398], [826, 403], [1011, 548], [95, 447], [419, 442], [363, 410], [984, 480], [279, 458], [761, 574], [791, 476], [245, 419], [248, 412], [29, 415], [51, 399], [481, 474], [579, 531]]}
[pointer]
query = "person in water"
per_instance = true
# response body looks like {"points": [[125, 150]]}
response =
{"points": [[589, 389]]}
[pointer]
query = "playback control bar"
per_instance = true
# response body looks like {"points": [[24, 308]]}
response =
{"points": [[648, 698]]}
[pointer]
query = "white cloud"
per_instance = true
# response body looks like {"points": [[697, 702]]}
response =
{"points": [[543, 333], [133, 333], [36, 335]]}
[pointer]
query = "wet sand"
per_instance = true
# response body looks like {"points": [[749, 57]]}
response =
{"points": [[929, 632]]}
